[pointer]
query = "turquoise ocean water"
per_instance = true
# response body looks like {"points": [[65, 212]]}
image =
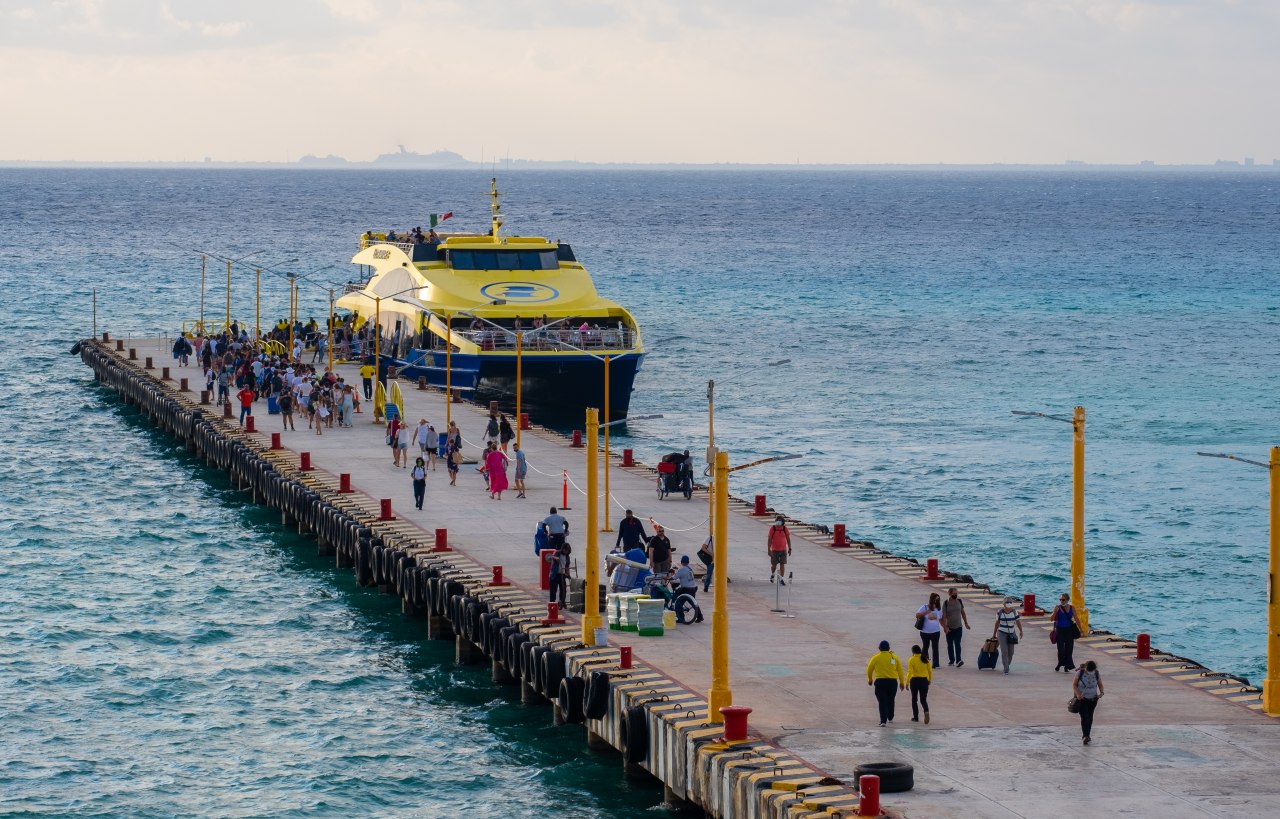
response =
{"points": [[169, 650]]}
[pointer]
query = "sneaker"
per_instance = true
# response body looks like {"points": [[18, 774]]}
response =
{"points": [[882, 725], [1006, 671], [959, 663], [770, 578], [915, 719], [781, 582], [1086, 739], [926, 717], [950, 663]]}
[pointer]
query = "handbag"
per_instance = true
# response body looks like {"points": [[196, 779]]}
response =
{"points": [[991, 646], [1011, 639], [1075, 632], [919, 622], [1053, 635], [1073, 705]]}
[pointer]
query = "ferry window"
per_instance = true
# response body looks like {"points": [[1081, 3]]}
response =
{"points": [[530, 260], [565, 253], [509, 261], [549, 260], [486, 260], [462, 260]]}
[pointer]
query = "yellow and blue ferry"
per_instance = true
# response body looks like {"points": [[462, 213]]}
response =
{"points": [[471, 310]]}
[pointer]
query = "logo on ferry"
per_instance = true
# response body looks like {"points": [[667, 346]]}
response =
{"points": [[519, 292]]}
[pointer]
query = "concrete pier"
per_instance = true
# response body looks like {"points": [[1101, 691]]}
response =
{"points": [[1171, 738]]}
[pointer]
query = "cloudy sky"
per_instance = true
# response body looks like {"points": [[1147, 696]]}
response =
{"points": [[858, 81]]}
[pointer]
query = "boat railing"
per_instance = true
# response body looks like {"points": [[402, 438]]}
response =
{"points": [[553, 339]]}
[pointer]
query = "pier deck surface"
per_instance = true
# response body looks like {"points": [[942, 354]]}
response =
{"points": [[998, 746]]}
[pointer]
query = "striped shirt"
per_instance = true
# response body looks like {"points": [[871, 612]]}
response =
{"points": [[1007, 620]]}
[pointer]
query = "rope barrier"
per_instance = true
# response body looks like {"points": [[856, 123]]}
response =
{"points": [[704, 522]]}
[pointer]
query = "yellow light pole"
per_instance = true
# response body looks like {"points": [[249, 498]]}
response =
{"points": [[448, 371], [720, 694], [607, 423], [591, 615], [1077, 511], [329, 341], [520, 423], [202, 264], [1077, 521], [377, 353], [257, 304], [1270, 685], [293, 310], [711, 448], [228, 324]]}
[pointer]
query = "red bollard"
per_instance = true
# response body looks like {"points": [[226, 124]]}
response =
{"points": [[304, 461], [422, 382], [564, 501], [553, 617], [735, 722], [524, 421], [107, 337], [119, 343], [840, 538], [624, 657], [385, 514], [204, 397], [869, 795], [148, 365], [164, 374], [577, 439], [226, 410], [249, 426], [275, 440], [391, 373], [133, 353], [1144, 646], [628, 458], [182, 386], [1029, 605], [493, 408], [442, 541], [498, 580], [760, 509], [544, 575], [344, 480], [931, 570]]}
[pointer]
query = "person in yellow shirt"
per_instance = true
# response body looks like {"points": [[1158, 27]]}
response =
{"points": [[885, 673], [366, 372], [919, 675]]}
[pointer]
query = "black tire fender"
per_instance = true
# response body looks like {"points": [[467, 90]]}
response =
{"points": [[553, 668], [570, 699], [895, 777], [634, 734], [597, 696]]}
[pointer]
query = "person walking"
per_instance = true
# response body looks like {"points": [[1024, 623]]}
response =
{"points": [[558, 577], [492, 431], [393, 440], [451, 460], [522, 469], [246, 397], [1066, 628], [929, 623], [660, 550], [366, 375], [420, 436], [496, 468], [886, 675], [707, 554], [630, 532], [1088, 689], [285, 403], [419, 476], [778, 544], [919, 676], [505, 432], [433, 444], [557, 527], [954, 622], [1008, 631]]}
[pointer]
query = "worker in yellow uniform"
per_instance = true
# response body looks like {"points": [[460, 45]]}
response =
{"points": [[919, 675], [886, 674], [366, 372]]}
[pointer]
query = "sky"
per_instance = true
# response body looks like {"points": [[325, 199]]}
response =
{"points": [[809, 81]]}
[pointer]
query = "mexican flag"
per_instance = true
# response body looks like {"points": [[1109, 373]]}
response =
{"points": [[437, 218]]}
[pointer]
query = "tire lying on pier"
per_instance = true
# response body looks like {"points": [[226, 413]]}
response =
{"points": [[570, 699], [634, 734], [596, 704], [895, 777]]}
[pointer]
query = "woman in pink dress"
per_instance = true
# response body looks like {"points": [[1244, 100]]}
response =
{"points": [[495, 464]]}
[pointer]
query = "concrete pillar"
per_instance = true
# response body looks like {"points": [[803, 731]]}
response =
{"points": [[596, 742], [467, 652], [672, 799], [557, 715], [408, 609], [439, 627], [500, 673], [324, 548], [287, 520], [529, 696], [342, 561]]}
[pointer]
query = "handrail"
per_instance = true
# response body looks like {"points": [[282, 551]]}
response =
{"points": [[555, 338]]}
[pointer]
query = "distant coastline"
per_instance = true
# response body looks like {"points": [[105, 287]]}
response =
{"points": [[448, 160]]}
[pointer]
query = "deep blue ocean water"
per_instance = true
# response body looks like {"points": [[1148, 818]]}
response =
{"points": [[170, 650]]}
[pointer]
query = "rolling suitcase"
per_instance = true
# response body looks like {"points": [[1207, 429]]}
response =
{"points": [[273, 406], [987, 657]]}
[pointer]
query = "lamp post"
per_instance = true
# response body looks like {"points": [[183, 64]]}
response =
{"points": [[1271, 685], [203, 259], [1077, 511], [591, 612], [448, 371], [720, 694], [329, 340]]}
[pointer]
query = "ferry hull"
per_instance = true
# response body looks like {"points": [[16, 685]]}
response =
{"points": [[554, 389]]}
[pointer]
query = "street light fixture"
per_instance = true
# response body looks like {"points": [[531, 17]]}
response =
{"points": [[1271, 685], [720, 694]]}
